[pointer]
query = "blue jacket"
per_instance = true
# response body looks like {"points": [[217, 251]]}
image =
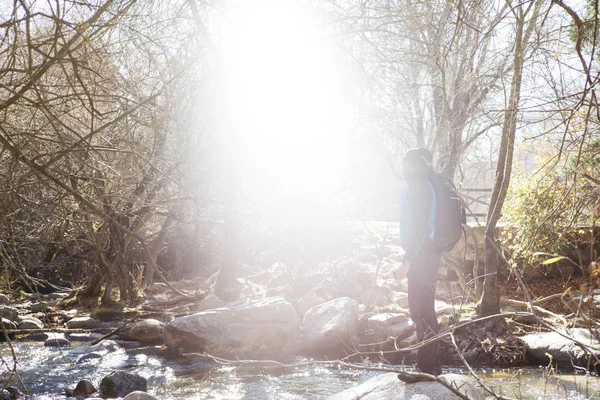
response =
{"points": [[417, 216]]}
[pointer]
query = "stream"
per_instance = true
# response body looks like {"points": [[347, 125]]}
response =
{"points": [[48, 371]]}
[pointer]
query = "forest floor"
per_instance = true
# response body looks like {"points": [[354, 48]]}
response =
{"points": [[543, 288]]}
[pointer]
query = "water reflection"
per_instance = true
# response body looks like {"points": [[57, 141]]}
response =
{"points": [[48, 371]]}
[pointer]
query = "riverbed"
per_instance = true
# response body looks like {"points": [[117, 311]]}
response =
{"points": [[46, 372]]}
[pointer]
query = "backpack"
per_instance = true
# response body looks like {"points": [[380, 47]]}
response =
{"points": [[449, 213]]}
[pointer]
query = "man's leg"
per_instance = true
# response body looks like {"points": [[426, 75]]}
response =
{"points": [[421, 300], [427, 358]]}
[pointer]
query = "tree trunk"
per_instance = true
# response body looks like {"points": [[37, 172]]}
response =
{"points": [[94, 287], [490, 300], [156, 246]]}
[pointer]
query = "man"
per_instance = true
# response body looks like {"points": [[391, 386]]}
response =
{"points": [[417, 222]]}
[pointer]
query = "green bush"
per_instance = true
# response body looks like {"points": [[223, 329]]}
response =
{"points": [[541, 214]]}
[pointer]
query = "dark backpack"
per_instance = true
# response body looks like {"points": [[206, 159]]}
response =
{"points": [[450, 213]]}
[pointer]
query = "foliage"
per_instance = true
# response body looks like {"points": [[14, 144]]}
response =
{"points": [[543, 216]]}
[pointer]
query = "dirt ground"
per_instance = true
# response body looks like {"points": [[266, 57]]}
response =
{"points": [[512, 290]]}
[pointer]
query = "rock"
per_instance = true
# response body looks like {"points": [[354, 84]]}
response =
{"points": [[401, 299], [57, 341], [383, 251], [8, 324], [4, 300], [389, 325], [149, 331], [308, 301], [147, 350], [251, 328], [189, 285], [88, 357], [398, 257], [5, 395], [380, 297], [139, 396], [128, 344], [409, 341], [84, 389], [563, 351], [210, 302], [39, 307], [30, 323], [84, 337], [83, 323], [443, 308], [389, 387], [121, 383], [105, 346], [328, 326], [38, 337], [399, 285], [158, 380], [14, 392], [9, 313], [109, 314], [156, 288]]}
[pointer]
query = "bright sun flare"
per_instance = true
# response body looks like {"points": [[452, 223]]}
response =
{"points": [[285, 100]]}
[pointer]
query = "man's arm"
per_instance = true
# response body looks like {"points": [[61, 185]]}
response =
{"points": [[414, 219]]}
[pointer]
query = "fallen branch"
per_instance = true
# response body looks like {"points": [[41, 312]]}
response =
{"points": [[54, 330], [472, 372], [14, 371], [547, 298], [523, 304], [115, 331]]}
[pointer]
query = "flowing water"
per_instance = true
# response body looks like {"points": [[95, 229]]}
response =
{"points": [[48, 371]]}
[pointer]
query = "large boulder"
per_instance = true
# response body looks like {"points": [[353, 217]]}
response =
{"points": [[8, 324], [308, 301], [121, 383], [30, 323], [210, 302], [380, 327], [4, 300], [251, 328], [329, 327], [148, 331], [563, 350], [83, 389], [389, 387], [9, 313]]}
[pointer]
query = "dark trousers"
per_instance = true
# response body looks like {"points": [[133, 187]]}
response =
{"points": [[421, 296]]}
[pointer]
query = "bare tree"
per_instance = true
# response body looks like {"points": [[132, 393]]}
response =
{"points": [[87, 109], [434, 65], [526, 17]]}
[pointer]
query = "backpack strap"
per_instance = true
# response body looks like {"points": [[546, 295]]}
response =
{"points": [[432, 221]]}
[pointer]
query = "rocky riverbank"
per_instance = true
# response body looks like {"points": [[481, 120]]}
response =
{"points": [[350, 309]]}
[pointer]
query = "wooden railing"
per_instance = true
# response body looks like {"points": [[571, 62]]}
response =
{"points": [[475, 203]]}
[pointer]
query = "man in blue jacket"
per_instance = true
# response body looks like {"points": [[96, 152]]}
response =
{"points": [[417, 222]]}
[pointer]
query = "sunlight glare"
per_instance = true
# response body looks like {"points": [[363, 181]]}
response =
{"points": [[285, 101]]}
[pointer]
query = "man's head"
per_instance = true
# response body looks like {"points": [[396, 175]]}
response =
{"points": [[416, 162]]}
